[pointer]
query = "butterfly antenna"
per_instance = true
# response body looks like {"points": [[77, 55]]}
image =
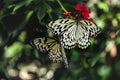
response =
{"points": [[64, 57]]}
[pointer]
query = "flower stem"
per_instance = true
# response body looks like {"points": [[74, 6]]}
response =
{"points": [[61, 6]]}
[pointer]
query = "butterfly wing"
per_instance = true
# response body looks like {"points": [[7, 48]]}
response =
{"points": [[84, 42], [60, 25], [55, 52], [83, 37], [75, 35], [74, 32], [94, 30], [40, 44], [50, 46], [67, 39]]}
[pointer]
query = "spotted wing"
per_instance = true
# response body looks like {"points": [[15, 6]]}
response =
{"points": [[75, 35], [50, 46], [67, 39], [55, 52], [40, 44], [74, 32], [60, 25], [84, 41], [94, 30]]}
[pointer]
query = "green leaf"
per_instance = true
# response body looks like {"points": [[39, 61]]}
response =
{"points": [[118, 16], [42, 10], [48, 7], [22, 36], [19, 5], [28, 2], [41, 13], [104, 71], [16, 8], [13, 50], [95, 60], [118, 40], [103, 6], [75, 55]]}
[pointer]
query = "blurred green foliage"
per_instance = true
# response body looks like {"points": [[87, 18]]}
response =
{"points": [[23, 20]]}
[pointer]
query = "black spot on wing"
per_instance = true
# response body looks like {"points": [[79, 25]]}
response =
{"points": [[90, 23], [51, 23], [65, 26], [66, 20], [55, 25], [45, 40], [83, 27], [55, 32], [60, 29], [86, 22], [39, 40], [58, 26], [61, 21]]}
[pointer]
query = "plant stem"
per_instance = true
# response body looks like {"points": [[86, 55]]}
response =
{"points": [[61, 6]]}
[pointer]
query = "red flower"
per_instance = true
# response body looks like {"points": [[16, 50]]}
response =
{"points": [[67, 14], [85, 13], [90, 19], [80, 7]]}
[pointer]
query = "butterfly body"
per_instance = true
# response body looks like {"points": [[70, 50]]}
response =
{"points": [[74, 32]]}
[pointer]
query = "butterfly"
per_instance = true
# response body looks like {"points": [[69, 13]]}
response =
{"points": [[47, 45], [74, 32]]}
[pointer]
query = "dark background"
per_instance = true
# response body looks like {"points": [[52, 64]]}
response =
{"points": [[23, 20]]}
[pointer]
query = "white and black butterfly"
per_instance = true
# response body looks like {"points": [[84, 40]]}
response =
{"points": [[55, 51], [74, 32]]}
